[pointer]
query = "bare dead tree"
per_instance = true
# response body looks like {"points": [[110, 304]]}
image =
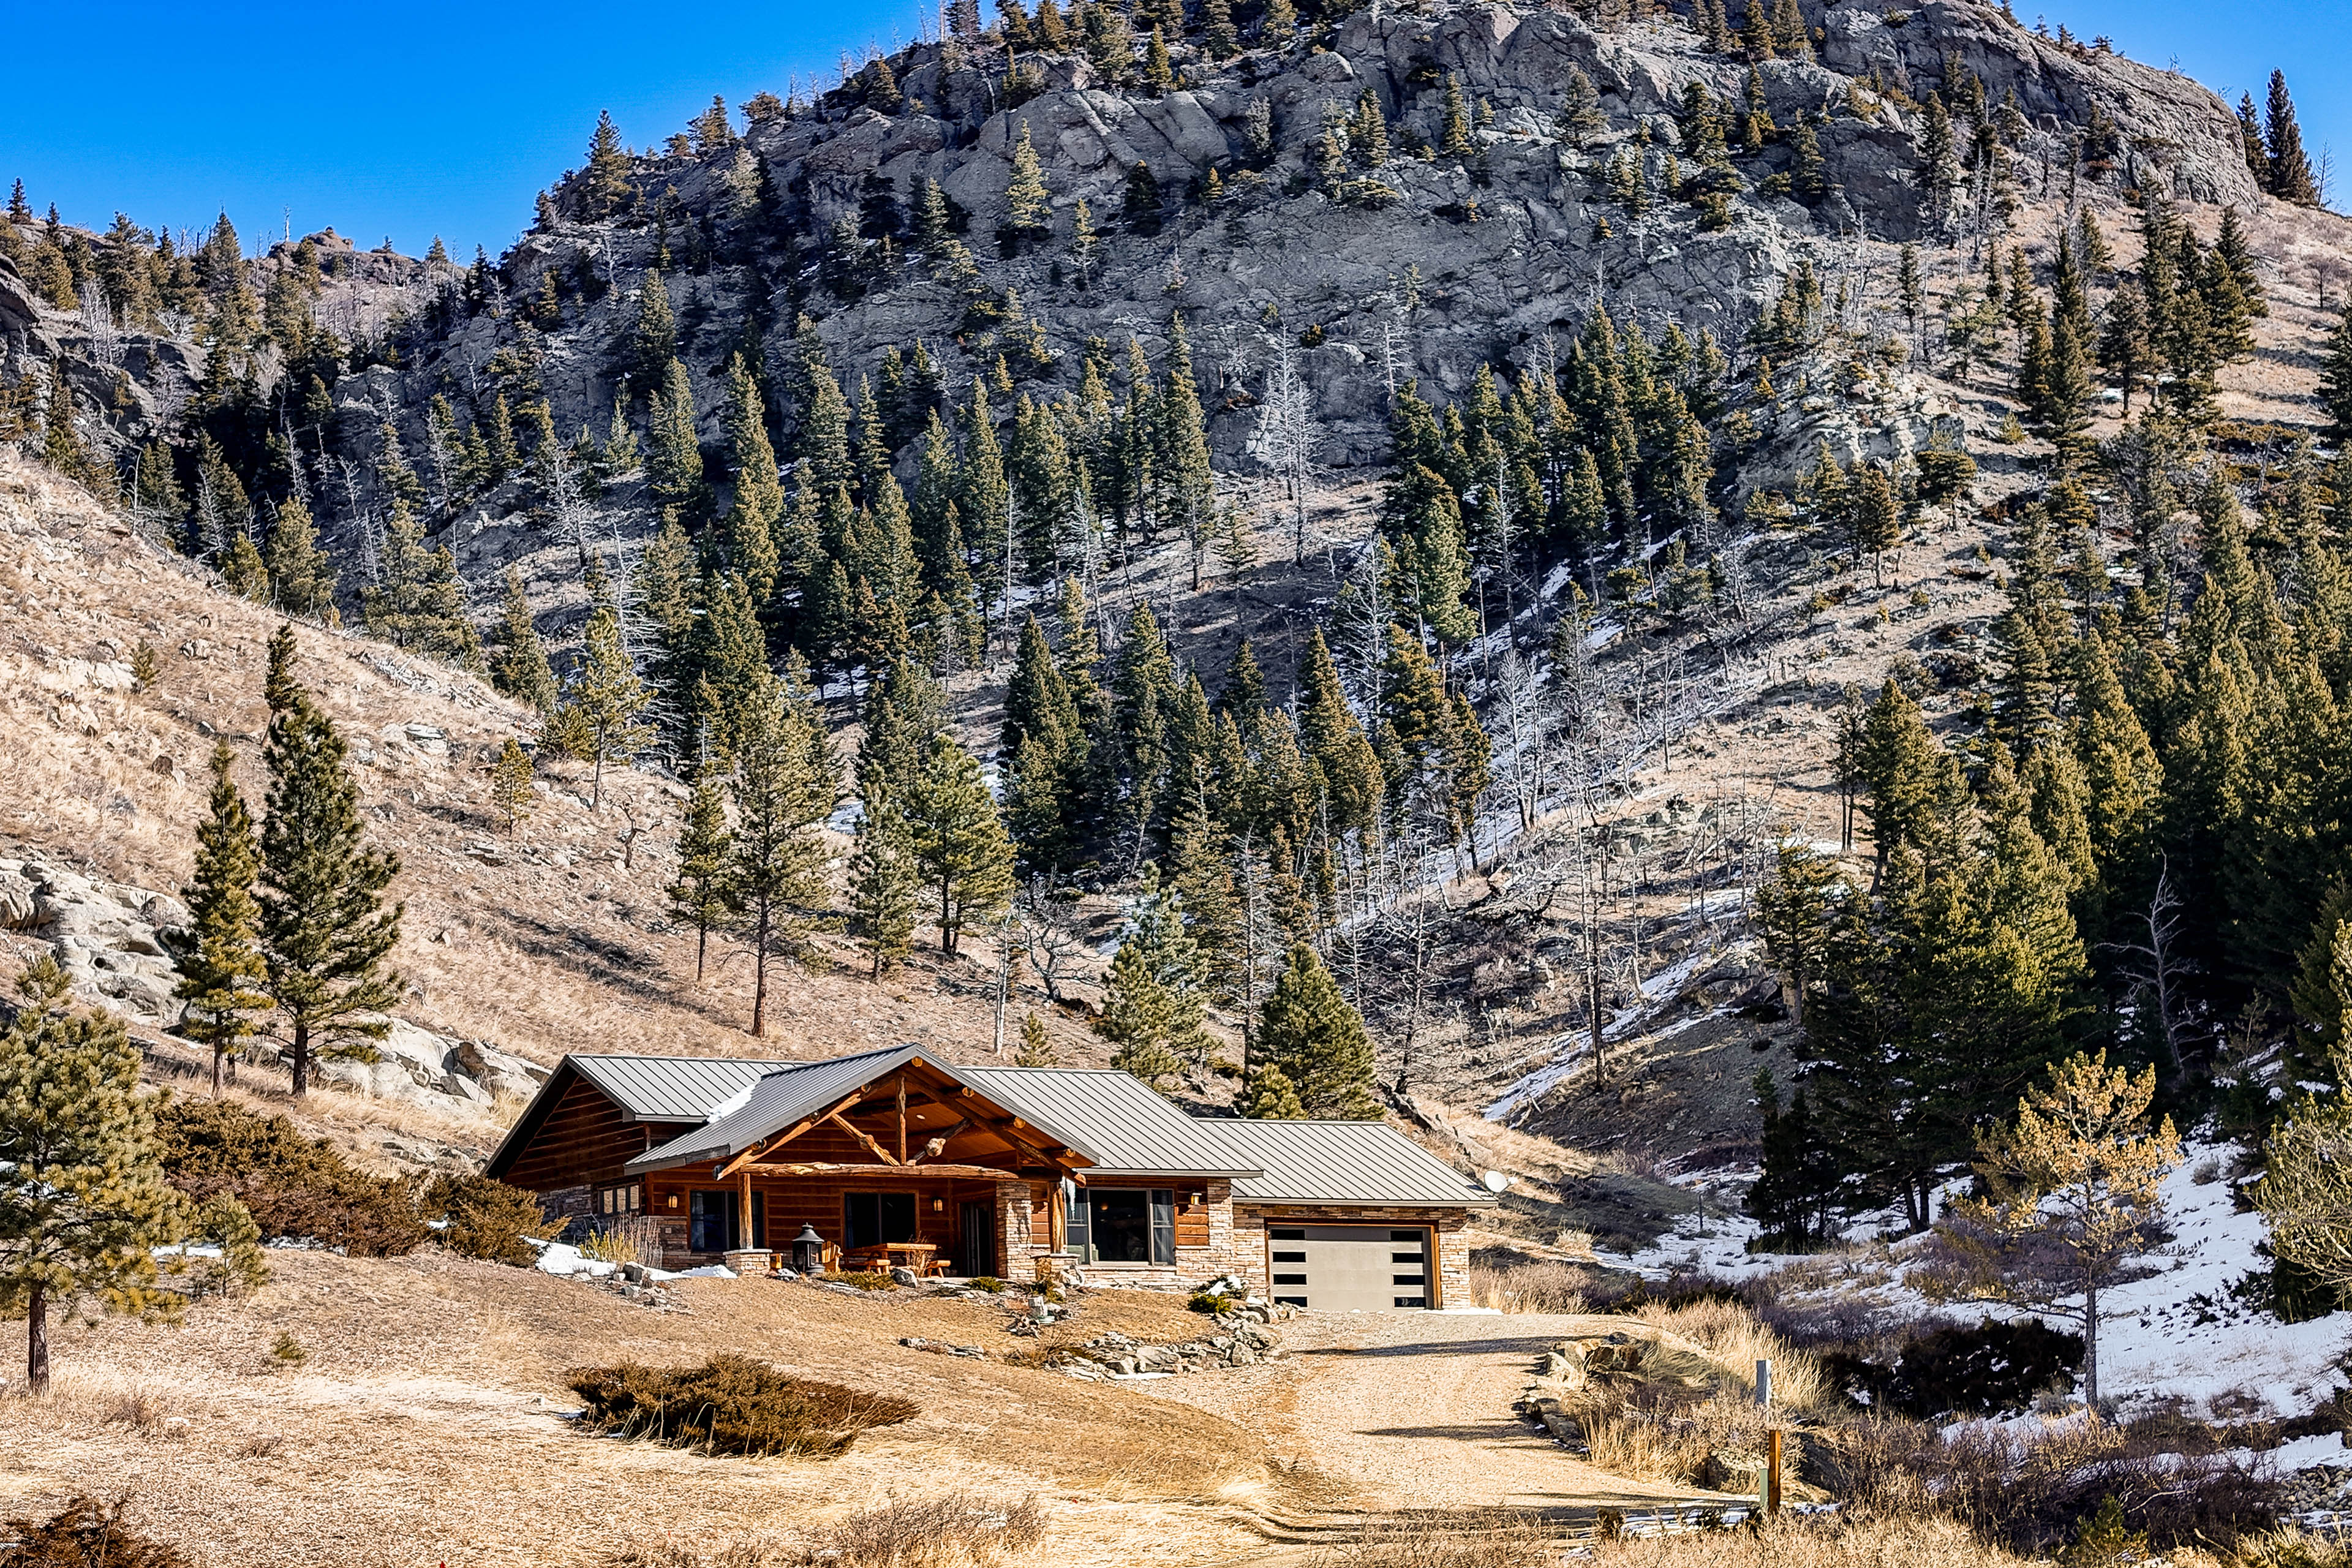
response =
{"points": [[1287, 436], [1049, 933], [2156, 966]]}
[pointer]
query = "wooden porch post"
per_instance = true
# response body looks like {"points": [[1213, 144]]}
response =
{"points": [[747, 1240]]}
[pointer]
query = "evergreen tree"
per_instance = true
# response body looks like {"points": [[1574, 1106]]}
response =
{"points": [[602, 716], [2289, 169], [960, 845], [221, 970], [510, 784], [755, 520], [1453, 140], [1151, 1002], [1791, 1192], [672, 451], [520, 668], [301, 578], [884, 884], [1308, 1032], [783, 787], [605, 188], [83, 1202], [1037, 1048], [1028, 205], [1873, 518], [325, 932], [701, 894], [420, 604]]}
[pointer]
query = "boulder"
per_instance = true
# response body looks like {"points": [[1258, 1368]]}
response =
{"points": [[412, 1064], [500, 1072]]}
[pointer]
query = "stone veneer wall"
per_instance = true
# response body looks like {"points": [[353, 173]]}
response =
{"points": [[1019, 1224]]}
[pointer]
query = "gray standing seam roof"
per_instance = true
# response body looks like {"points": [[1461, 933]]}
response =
{"points": [[780, 1096], [1130, 1130], [671, 1088], [1367, 1162]]}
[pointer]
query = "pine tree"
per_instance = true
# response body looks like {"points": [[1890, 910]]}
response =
{"points": [[672, 451], [421, 603], [602, 714], [1455, 140], [783, 787], [324, 930], [2289, 168], [221, 970], [1873, 518], [1219, 38], [520, 668], [1037, 1048], [1580, 116], [701, 894], [1268, 1095], [1151, 1001], [960, 845], [883, 884], [1159, 71], [1028, 205], [510, 784], [300, 576], [756, 518], [1308, 1031], [605, 188], [1140, 204], [83, 1202], [2073, 1201]]}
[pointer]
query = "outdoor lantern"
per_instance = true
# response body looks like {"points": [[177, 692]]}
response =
{"points": [[938, 1204], [808, 1251]]}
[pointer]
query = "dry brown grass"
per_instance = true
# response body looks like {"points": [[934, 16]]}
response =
{"points": [[1504, 1539], [1813, 1542], [1730, 1338], [424, 1424]]}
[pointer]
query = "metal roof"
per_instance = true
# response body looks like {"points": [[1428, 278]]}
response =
{"points": [[780, 1095], [671, 1088], [1123, 1125], [1341, 1162]]}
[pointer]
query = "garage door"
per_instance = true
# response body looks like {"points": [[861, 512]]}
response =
{"points": [[1349, 1268]]}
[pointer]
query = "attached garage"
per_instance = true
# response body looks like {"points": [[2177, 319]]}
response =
{"points": [[1349, 1268], [1353, 1217]]}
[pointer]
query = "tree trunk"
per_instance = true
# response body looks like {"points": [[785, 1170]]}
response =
{"points": [[947, 924], [301, 1057], [2091, 1346], [760, 973], [217, 1053], [701, 947], [37, 1339]]}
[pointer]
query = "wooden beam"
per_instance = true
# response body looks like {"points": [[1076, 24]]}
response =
{"points": [[902, 1118], [884, 1173], [765, 1145], [939, 1140], [1013, 1130], [878, 1151]]}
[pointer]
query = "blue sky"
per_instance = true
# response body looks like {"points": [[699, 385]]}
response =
{"points": [[431, 118]]}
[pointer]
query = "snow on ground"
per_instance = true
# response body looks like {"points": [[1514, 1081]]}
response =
{"points": [[1662, 989], [2177, 1334], [565, 1261]]}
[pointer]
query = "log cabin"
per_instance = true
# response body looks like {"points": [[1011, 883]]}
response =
{"points": [[895, 1156]]}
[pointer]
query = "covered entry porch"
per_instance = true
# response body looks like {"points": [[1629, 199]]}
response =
{"points": [[903, 1165]]}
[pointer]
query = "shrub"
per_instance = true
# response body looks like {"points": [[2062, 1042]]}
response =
{"points": [[287, 1350], [987, 1282], [731, 1404], [864, 1278], [292, 1187], [224, 1222], [86, 1534], [954, 1529], [1208, 1301], [487, 1219]]}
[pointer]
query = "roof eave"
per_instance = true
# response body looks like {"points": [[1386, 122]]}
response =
{"points": [[1465, 1201]]}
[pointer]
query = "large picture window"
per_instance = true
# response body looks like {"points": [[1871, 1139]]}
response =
{"points": [[1128, 1225], [869, 1219]]}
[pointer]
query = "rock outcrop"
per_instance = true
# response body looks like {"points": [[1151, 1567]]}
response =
{"points": [[117, 945]]}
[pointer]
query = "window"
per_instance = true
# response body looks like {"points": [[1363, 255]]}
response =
{"points": [[1128, 1225], [625, 1199], [710, 1222], [869, 1219]]}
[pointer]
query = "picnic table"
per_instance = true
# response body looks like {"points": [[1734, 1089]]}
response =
{"points": [[922, 1257]]}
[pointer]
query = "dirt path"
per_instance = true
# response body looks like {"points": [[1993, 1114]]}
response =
{"points": [[1410, 1413]]}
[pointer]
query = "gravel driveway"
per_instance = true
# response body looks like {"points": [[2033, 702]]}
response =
{"points": [[1412, 1411]]}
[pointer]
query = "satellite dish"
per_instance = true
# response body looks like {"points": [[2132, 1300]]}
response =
{"points": [[1496, 1181]]}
